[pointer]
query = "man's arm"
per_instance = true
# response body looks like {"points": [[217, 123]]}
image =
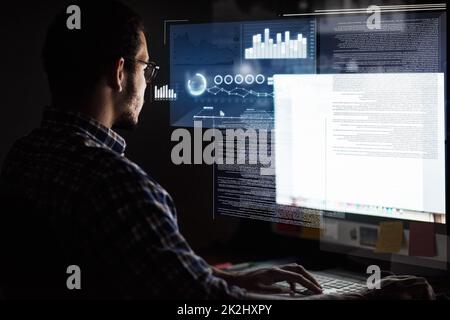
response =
{"points": [[134, 230]]}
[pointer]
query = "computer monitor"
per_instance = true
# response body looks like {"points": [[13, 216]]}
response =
{"points": [[364, 141], [369, 149], [358, 115]]}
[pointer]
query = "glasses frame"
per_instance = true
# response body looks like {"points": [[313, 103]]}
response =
{"points": [[150, 71]]}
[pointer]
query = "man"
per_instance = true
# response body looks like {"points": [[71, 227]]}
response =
{"points": [[76, 199]]}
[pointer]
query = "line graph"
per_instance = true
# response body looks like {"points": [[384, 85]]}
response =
{"points": [[238, 91]]}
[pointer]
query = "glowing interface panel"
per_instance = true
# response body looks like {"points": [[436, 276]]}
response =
{"points": [[223, 72]]}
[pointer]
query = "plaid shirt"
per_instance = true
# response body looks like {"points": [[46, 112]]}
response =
{"points": [[105, 206]]}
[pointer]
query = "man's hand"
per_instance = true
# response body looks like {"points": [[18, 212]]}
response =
{"points": [[401, 288], [391, 288], [263, 280], [262, 283]]}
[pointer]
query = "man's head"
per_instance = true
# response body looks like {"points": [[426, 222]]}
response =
{"points": [[101, 66]]}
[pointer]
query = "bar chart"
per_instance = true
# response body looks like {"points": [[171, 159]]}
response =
{"points": [[164, 93], [267, 48]]}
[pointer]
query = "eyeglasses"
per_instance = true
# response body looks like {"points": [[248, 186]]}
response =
{"points": [[150, 71]]}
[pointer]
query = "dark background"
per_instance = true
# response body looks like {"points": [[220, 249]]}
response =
{"points": [[24, 94]]}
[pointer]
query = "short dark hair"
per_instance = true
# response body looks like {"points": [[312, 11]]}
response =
{"points": [[75, 59]]}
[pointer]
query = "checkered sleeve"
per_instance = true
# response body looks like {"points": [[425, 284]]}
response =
{"points": [[136, 228]]}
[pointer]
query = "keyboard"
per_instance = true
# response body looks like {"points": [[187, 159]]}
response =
{"points": [[332, 284]]}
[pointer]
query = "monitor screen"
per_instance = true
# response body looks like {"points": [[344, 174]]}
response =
{"points": [[356, 111], [362, 143]]}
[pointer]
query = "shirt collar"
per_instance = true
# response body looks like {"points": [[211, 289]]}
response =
{"points": [[76, 120]]}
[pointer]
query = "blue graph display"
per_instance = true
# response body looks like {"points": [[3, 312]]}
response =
{"points": [[213, 72]]}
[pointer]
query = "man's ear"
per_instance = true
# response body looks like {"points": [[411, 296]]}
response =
{"points": [[118, 75]]}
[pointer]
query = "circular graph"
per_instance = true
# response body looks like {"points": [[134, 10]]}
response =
{"points": [[249, 79], [197, 85], [228, 79], [260, 79], [218, 79], [238, 79]]}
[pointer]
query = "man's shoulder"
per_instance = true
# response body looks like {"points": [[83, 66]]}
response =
{"points": [[68, 151], [111, 163], [108, 165], [123, 178]]}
